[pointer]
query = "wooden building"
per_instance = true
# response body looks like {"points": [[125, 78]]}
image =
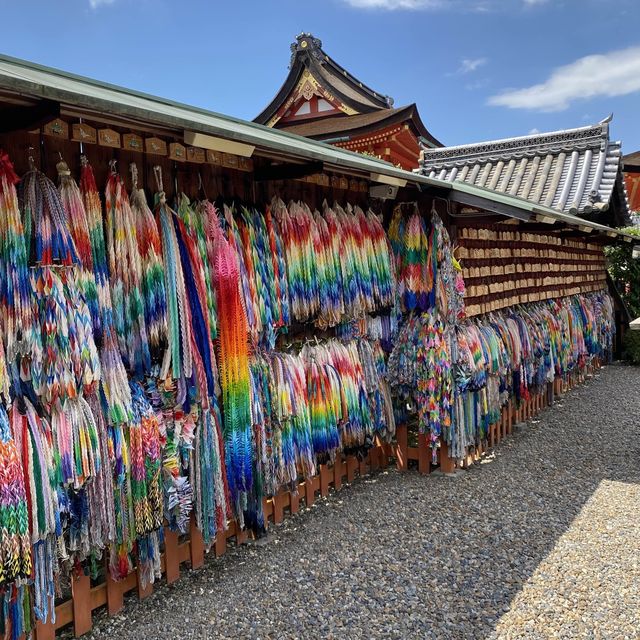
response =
{"points": [[632, 179], [514, 250], [575, 171], [321, 100]]}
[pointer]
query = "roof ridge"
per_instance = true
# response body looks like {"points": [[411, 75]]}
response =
{"points": [[599, 131], [307, 43]]}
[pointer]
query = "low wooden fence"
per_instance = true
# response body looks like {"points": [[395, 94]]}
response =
{"points": [[85, 599]]}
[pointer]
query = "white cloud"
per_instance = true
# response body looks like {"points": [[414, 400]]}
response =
{"points": [[534, 3], [94, 4], [612, 74], [477, 84], [533, 131], [395, 4], [468, 65]]}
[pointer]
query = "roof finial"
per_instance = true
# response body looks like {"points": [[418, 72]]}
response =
{"points": [[607, 120]]}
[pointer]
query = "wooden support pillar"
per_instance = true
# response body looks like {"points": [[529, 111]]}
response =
{"points": [[402, 445], [385, 454], [337, 473], [424, 454], [221, 543], [352, 465], [278, 508], [365, 465], [374, 458], [447, 464], [81, 595], [325, 479], [242, 535], [147, 590], [171, 555], [310, 494], [44, 631], [196, 545], [294, 502], [115, 597]]}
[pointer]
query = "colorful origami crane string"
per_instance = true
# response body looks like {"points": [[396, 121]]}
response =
{"points": [[125, 269]]}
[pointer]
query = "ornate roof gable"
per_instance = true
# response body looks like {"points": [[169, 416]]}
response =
{"points": [[311, 68]]}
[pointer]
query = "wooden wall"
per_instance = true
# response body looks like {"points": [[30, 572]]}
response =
{"points": [[504, 265]]}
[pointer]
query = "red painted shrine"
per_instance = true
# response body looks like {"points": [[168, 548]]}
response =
{"points": [[321, 100]]}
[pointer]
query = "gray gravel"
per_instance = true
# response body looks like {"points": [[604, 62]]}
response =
{"points": [[540, 540]]}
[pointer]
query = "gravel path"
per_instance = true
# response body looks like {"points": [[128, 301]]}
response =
{"points": [[539, 541]]}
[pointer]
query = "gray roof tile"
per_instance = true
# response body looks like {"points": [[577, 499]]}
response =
{"points": [[574, 171]]}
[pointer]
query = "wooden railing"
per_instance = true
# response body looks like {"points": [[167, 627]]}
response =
{"points": [[85, 599]]}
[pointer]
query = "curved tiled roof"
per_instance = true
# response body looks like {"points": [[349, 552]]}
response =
{"points": [[361, 123], [576, 171], [307, 53]]}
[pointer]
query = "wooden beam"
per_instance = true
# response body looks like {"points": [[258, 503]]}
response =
{"points": [[287, 171], [488, 205], [19, 118]]}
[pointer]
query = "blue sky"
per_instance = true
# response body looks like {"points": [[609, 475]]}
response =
{"points": [[478, 69]]}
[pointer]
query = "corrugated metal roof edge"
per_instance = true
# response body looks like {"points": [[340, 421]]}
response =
{"points": [[190, 117], [521, 204], [196, 117]]}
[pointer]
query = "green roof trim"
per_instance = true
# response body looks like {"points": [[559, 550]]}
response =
{"points": [[39, 81]]}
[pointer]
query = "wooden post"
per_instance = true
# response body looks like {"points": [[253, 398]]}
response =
{"points": [[242, 535], [171, 555], [310, 495], [325, 478], [294, 502], [147, 590], [45, 631], [374, 454], [402, 444], [196, 545], [424, 454], [383, 454], [81, 594], [221, 543], [447, 464], [337, 473], [278, 508], [352, 465], [364, 465], [115, 597]]}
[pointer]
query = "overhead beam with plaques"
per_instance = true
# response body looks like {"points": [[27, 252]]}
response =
{"points": [[23, 117], [287, 171]]}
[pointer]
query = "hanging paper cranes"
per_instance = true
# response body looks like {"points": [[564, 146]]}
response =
{"points": [[161, 367]]}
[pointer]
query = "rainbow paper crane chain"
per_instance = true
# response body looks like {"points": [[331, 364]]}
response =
{"points": [[233, 362], [73, 204], [41, 203], [125, 268], [15, 547], [15, 290], [152, 267]]}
